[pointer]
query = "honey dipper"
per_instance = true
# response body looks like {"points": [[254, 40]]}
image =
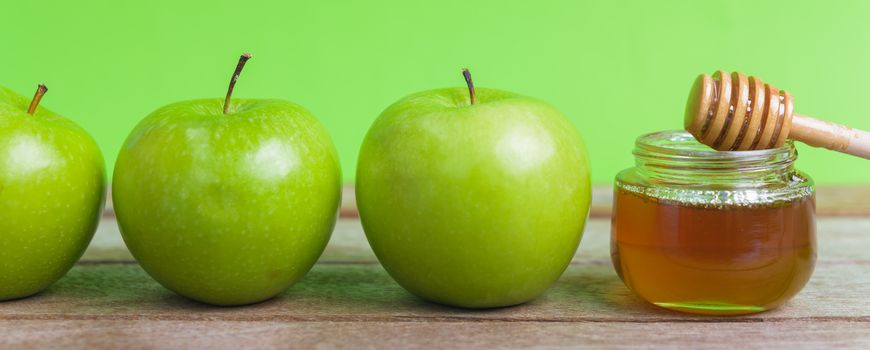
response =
{"points": [[736, 113]]}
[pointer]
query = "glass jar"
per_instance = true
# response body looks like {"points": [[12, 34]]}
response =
{"points": [[703, 231]]}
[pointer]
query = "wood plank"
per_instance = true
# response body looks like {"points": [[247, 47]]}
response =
{"points": [[838, 288], [831, 201], [587, 292], [349, 301], [843, 201], [348, 284], [839, 239], [139, 334]]}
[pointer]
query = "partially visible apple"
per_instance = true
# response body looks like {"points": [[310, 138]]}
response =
{"points": [[473, 199], [227, 202], [52, 191]]}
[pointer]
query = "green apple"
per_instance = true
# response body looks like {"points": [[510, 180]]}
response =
{"points": [[473, 202], [52, 191], [227, 203]]}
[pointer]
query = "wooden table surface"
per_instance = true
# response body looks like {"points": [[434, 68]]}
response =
{"points": [[348, 301]]}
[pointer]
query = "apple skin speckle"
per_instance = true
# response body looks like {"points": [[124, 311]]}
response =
{"points": [[475, 206], [52, 191], [227, 209]]}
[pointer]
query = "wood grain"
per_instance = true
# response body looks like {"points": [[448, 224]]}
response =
{"points": [[139, 334], [589, 291], [840, 239], [349, 301], [831, 201]]}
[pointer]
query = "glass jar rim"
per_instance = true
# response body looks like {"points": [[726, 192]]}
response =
{"points": [[679, 144], [673, 165], [682, 143]]}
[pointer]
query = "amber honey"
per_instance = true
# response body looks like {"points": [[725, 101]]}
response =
{"points": [[709, 232], [719, 259]]}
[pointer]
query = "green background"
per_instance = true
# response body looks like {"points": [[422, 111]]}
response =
{"points": [[616, 68]]}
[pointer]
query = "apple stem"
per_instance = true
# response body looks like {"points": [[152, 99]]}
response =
{"points": [[244, 58], [467, 74], [40, 91]]}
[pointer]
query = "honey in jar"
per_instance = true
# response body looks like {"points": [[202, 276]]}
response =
{"points": [[709, 232]]}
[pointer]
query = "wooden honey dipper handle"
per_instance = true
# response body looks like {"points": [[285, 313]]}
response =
{"points": [[840, 138], [731, 112]]}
